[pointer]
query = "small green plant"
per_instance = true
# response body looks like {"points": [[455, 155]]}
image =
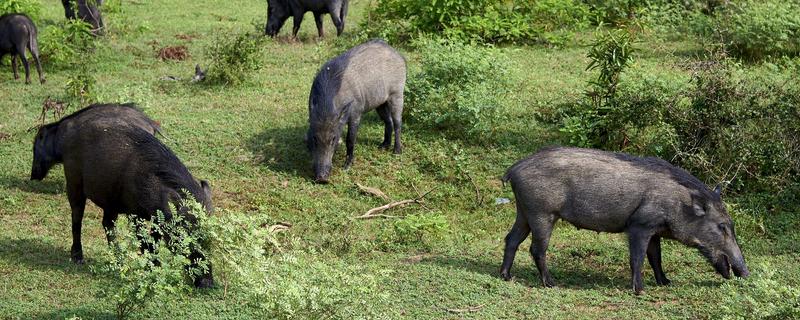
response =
{"points": [[31, 8], [80, 86], [141, 275], [460, 88], [762, 296], [63, 45], [233, 60], [421, 229]]}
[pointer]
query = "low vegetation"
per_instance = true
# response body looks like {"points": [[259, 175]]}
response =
{"points": [[707, 85]]}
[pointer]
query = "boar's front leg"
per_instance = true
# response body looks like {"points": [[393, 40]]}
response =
{"points": [[395, 105], [14, 66], [654, 258], [638, 240], [298, 18], [77, 202], [352, 132]]}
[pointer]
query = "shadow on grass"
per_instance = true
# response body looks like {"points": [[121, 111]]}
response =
{"points": [[38, 254], [282, 150], [46, 186], [566, 276]]}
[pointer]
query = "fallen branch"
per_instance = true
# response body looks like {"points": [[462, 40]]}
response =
{"points": [[373, 191], [478, 196], [375, 212], [467, 309]]}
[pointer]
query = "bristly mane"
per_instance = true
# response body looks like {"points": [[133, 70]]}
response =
{"points": [[166, 165], [91, 107]]}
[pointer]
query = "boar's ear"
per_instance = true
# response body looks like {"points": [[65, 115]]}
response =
{"points": [[698, 206], [718, 189], [206, 187]]}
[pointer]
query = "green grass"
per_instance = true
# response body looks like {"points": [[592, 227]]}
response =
{"points": [[247, 141]]}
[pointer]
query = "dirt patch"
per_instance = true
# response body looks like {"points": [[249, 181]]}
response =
{"points": [[4, 136], [177, 53]]}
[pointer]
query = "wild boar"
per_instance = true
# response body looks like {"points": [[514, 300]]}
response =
{"points": [[647, 198], [280, 10], [369, 76], [18, 35], [124, 169]]}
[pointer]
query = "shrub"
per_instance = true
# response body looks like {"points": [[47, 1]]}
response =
{"points": [[80, 86], [141, 276], [757, 29], [421, 230], [460, 88], [31, 8], [66, 44], [477, 20], [233, 60], [615, 12]]}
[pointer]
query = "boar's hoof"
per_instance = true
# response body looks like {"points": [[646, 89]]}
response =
{"points": [[505, 275], [78, 260], [42, 81], [384, 146], [398, 151], [664, 282], [638, 292]]}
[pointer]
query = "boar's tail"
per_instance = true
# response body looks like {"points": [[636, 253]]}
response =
{"points": [[506, 177]]}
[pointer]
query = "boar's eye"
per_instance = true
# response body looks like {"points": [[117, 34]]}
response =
{"points": [[722, 227]]}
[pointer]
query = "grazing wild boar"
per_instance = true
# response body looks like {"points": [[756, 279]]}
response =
{"points": [[17, 35], [280, 10], [369, 76], [87, 10], [647, 198], [124, 169], [48, 151]]}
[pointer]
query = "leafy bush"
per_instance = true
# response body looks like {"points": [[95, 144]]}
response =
{"points": [[233, 60], [719, 126], [477, 20], [31, 8], [80, 86], [616, 12], [756, 29], [460, 88], [141, 276], [66, 44]]}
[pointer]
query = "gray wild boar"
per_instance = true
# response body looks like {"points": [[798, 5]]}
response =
{"points": [[280, 10], [48, 151], [124, 169], [369, 76], [647, 198], [18, 35]]}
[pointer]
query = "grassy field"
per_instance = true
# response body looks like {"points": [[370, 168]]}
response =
{"points": [[247, 141]]}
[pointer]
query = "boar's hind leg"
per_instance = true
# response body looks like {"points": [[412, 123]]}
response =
{"points": [[14, 66], [21, 51], [542, 228], [77, 202], [334, 8], [318, 20], [298, 18], [352, 132], [388, 126], [638, 240], [518, 233], [654, 258], [109, 219], [395, 105]]}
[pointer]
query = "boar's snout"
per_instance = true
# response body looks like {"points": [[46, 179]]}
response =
{"points": [[322, 173], [37, 172], [722, 266], [204, 282]]}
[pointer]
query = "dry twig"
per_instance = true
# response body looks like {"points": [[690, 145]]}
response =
{"points": [[372, 191], [375, 212], [467, 309]]}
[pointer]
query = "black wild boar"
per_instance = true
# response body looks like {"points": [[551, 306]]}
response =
{"points": [[369, 76], [87, 10], [647, 198], [280, 10], [17, 35], [48, 151], [124, 169]]}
